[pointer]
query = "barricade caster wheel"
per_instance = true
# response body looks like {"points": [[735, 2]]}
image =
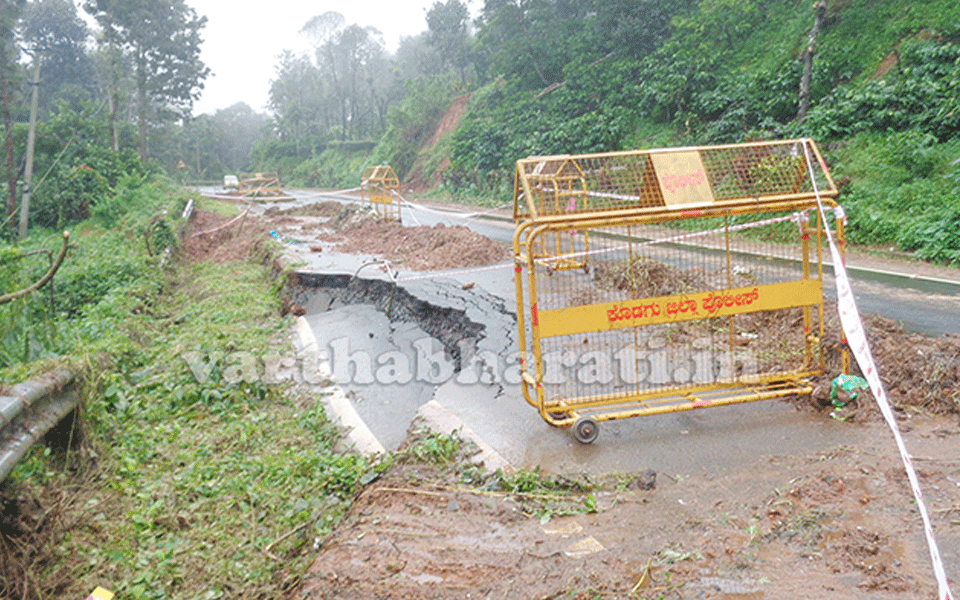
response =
{"points": [[586, 430]]}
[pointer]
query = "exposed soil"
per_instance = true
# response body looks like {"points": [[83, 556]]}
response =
{"points": [[214, 238], [423, 248], [416, 248], [841, 524], [834, 525], [419, 179]]}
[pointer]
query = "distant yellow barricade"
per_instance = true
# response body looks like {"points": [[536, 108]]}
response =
{"points": [[664, 280], [379, 189], [259, 185]]}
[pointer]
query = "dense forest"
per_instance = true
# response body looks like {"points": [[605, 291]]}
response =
{"points": [[876, 83]]}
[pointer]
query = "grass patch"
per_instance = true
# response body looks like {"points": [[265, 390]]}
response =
{"points": [[176, 486]]}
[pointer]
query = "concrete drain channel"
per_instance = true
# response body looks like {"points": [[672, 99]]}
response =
{"points": [[387, 351]]}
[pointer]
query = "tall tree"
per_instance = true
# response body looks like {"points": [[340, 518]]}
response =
{"points": [[162, 40], [820, 12], [449, 26], [352, 59], [238, 128], [633, 28], [55, 30], [9, 75], [416, 57], [296, 99], [531, 39]]}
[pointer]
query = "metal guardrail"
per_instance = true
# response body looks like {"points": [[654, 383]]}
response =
{"points": [[29, 410]]}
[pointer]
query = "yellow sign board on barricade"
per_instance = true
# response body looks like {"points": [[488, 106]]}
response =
{"points": [[664, 280], [379, 190]]}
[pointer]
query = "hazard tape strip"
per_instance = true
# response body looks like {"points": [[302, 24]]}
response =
{"points": [[447, 213], [676, 238], [457, 272], [331, 193], [216, 196], [857, 340], [387, 267]]}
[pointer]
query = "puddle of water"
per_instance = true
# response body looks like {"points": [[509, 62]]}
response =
{"points": [[727, 588], [423, 578]]}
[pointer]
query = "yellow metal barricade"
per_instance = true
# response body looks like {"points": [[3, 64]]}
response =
{"points": [[259, 185], [666, 280], [379, 189]]}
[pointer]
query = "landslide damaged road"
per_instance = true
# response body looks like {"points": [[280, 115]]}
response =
{"points": [[764, 500]]}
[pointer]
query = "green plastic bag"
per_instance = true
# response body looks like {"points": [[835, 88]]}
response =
{"points": [[845, 388]]}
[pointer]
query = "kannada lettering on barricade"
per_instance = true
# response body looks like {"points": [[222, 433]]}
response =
{"points": [[646, 282], [379, 191]]}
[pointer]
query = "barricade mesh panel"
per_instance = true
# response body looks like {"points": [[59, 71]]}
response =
{"points": [[659, 297], [571, 185]]}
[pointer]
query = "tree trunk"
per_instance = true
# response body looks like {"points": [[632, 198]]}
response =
{"points": [[11, 165], [114, 141], [31, 140], [142, 123], [142, 104], [820, 10]]}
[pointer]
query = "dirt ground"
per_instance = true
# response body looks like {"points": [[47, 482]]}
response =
{"points": [[841, 524]]}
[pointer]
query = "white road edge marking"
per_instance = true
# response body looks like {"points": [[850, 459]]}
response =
{"points": [[443, 421], [358, 433]]}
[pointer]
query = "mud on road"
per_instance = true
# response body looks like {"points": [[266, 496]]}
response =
{"points": [[839, 524]]}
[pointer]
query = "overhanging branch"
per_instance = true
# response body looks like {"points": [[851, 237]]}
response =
{"points": [[43, 280]]}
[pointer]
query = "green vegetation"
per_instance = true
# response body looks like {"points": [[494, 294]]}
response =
{"points": [[181, 486], [884, 101], [536, 494], [183, 481], [904, 191]]}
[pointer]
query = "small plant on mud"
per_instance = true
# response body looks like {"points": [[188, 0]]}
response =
{"points": [[435, 448], [539, 495]]}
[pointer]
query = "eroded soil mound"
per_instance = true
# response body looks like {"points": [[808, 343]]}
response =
{"points": [[839, 525], [918, 370], [211, 237], [422, 248]]}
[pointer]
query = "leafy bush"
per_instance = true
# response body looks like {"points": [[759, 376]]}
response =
{"points": [[107, 277], [920, 95], [905, 191], [331, 169], [74, 167]]}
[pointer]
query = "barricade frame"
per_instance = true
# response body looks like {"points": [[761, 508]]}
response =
{"points": [[380, 191], [257, 185], [556, 221]]}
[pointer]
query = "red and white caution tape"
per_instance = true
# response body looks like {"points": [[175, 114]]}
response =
{"points": [[676, 238], [333, 192], [387, 267], [857, 340], [465, 216]]}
